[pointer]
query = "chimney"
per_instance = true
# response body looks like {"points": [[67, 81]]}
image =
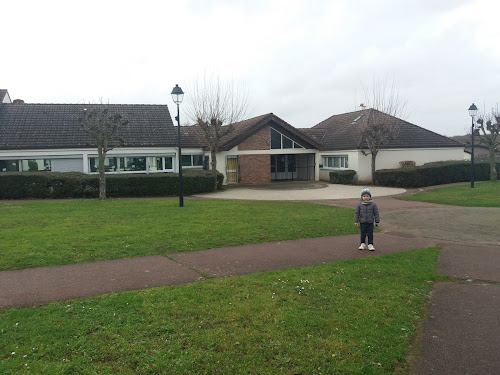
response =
{"points": [[18, 101], [362, 107]]}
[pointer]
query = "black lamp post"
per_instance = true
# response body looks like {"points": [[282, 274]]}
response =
{"points": [[472, 113], [177, 96]]}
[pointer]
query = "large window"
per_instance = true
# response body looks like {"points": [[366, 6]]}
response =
{"points": [[336, 162], [25, 165], [192, 160], [280, 141], [34, 165], [9, 165], [133, 164]]}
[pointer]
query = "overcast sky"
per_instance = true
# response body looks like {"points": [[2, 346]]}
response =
{"points": [[302, 60]]}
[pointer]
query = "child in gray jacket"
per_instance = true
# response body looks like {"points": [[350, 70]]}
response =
{"points": [[366, 213]]}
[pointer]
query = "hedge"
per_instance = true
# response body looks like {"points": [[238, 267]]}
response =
{"points": [[345, 177], [436, 173], [54, 185]]}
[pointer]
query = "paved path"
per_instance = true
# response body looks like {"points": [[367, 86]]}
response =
{"points": [[460, 333]]}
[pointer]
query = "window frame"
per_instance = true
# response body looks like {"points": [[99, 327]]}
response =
{"points": [[283, 139], [329, 161], [119, 159]]}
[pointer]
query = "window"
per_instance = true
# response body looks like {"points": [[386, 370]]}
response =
{"points": [[33, 165], [133, 164], [337, 162], [9, 165], [25, 165], [280, 141], [192, 160], [110, 164]]}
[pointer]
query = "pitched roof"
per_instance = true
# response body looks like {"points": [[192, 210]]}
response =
{"points": [[343, 132], [45, 126], [244, 129]]}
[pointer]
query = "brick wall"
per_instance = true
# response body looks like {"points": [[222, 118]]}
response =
{"points": [[255, 169], [258, 141]]}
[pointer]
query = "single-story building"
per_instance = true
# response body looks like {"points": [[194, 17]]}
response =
{"points": [[262, 149], [342, 145]]}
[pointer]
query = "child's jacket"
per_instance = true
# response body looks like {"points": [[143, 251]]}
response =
{"points": [[366, 212]]}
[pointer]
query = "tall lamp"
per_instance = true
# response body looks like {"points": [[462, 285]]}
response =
{"points": [[472, 113], [177, 96]]}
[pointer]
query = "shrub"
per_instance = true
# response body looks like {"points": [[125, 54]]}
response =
{"points": [[342, 177], [436, 173], [54, 185], [407, 163]]}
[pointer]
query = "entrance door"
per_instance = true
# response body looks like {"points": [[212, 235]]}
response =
{"points": [[232, 169], [283, 167]]}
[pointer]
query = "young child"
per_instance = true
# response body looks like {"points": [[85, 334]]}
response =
{"points": [[366, 213]]}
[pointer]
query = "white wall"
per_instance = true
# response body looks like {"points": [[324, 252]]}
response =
{"points": [[353, 160], [389, 159]]}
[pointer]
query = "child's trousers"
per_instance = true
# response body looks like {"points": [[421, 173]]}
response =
{"points": [[366, 230]]}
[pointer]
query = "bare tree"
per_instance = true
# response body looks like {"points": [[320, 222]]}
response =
{"points": [[489, 130], [380, 127], [101, 124], [215, 105]]}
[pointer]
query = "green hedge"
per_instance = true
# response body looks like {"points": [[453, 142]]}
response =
{"points": [[54, 185], [342, 177], [434, 174]]}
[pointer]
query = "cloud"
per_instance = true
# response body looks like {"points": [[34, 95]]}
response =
{"points": [[302, 60]]}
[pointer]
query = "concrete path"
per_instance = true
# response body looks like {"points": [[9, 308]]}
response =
{"points": [[459, 335]]}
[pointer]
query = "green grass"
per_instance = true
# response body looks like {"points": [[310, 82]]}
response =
{"points": [[350, 317], [484, 194], [43, 233]]}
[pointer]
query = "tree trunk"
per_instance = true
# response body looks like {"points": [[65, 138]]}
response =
{"points": [[493, 169], [102, 175], [374, 156], [214, 168]]}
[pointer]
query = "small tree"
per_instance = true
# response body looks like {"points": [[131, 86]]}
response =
{"points": [[380, 127], [489, 130], [101, 124], [214, 106]]}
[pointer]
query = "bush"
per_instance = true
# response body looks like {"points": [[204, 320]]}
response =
{"points": [[342, 177], [436, 173], [54, 185], [407, 163]]}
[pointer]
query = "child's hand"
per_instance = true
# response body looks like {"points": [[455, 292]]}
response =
{"points": [[356, 224], [377, 224]]}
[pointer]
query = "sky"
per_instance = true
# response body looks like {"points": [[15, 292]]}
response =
{"points": [[303, 60]]}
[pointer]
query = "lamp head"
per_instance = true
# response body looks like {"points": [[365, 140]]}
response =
{"points": [[473, 110], [177, 94]]}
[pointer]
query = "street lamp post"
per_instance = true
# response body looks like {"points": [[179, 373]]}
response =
{"points": [[472, 113], [177, 96]]}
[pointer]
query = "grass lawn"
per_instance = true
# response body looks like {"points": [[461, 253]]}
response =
{"points": [[484, 194], [349, 317], [43, 233]]}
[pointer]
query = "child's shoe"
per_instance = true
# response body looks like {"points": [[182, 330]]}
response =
{"points": [[370, 247], [362, 246]]}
